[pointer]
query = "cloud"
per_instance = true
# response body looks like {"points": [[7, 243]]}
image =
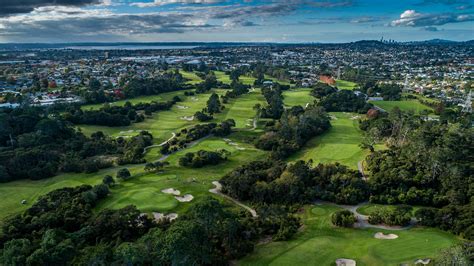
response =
{"points": [[50, 23], [411, 18], [444, 2], [168, 2], [11, 7]]}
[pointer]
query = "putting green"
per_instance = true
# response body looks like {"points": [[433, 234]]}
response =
{"points": [[320, 243], [407, 105], [339, 144]]}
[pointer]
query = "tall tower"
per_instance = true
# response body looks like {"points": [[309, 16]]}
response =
{"points": [[467, 106]]}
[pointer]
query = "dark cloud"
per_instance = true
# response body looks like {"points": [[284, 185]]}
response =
{"points": [[11, 7], [261, 10]]}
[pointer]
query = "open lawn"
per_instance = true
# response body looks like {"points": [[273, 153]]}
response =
{"points": [[320, 243], [406, 105], [161, 124], [282, 82], [191, 76], [300, 96], [247, 80], [222, 77], [339, 144], [345, 85]]}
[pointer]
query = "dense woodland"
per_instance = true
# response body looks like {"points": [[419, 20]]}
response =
{"points": [[202, 158], [48, 145]]}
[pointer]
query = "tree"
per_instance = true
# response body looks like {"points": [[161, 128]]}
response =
{"points": [[213, 104], [156, 166], [108, 180], [123, 174], [16, 251], [343, 218]]}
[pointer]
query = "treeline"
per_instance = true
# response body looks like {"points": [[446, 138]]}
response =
{"points": [[274, 99], [115, 116], [202, 158], [213, 105], [133, 87], [295, 127], [61, 229], [186, 136], [343, 101], [299, 183], [428, 163], [48, 145]]}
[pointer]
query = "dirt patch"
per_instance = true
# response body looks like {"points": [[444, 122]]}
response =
{"points": [[171, 191], [184, 198], [381, 235], [345, 262]]}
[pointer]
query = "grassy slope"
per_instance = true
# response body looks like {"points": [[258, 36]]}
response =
{"points": [[405, 105], [320, 243], [339, 144], [193, 78], [142, 99], [345, 85]]}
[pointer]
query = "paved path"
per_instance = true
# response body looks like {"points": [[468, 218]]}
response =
{"points": [[217, 191], [360, 166], [362, 220], [158, 145]]}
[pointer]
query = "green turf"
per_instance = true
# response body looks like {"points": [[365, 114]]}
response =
{"points": [[406, 105], [281, 81], [320, 243], [222, 77], [300, 96], [339, 144], [345, 85], [247, 80], [191, 76]]}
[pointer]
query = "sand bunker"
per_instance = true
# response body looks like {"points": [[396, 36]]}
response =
{"points": [[345, 262], [240, 148], [355, 117], [194, 99], [171, 191], [423, 261], [159, 216], [187, 118], [333, 117], [184, 198], [182, 107], [226, 140], [381, 235]]}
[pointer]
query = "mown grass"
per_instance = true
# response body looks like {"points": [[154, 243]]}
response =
{"points": [[300, 96], [339, 144], [320, 243], [345, 85], [191, 76], [405, 105]]}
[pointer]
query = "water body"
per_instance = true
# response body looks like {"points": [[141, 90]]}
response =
{"points": [[130, 47]]}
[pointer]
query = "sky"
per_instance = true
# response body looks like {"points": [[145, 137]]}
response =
{"points": [[287, 21]]}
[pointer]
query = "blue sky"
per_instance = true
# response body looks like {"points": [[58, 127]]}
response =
{"points": [[234, 20]]}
